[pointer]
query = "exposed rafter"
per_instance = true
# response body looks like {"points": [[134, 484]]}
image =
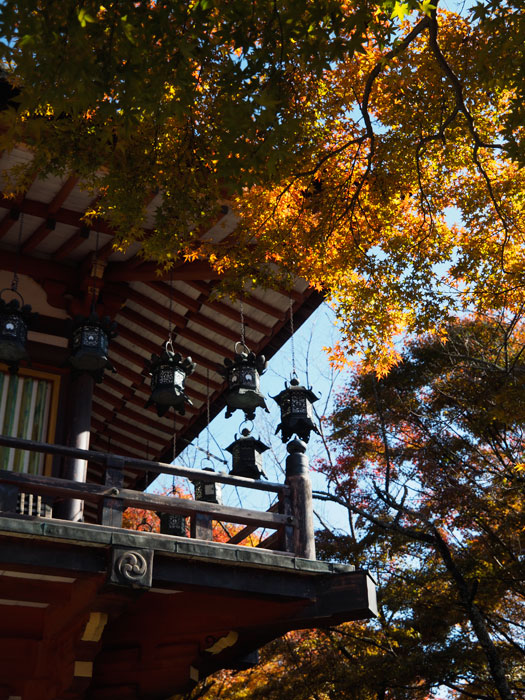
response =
{"points": [[110, 416], [49, 224], [179, 321], [14, 211], [148, 272], [62, 216], [160, 331]]}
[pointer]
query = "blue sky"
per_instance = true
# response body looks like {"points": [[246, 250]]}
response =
{"points": [[314, 370]]}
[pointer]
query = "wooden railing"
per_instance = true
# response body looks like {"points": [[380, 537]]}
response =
{"points": [[290, 517]]}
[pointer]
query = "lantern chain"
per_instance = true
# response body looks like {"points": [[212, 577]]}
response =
{"points": [[208, 412], [170, 315], [294, 370], [14, 283], [95, 268], [243, 328], [174, 437]]}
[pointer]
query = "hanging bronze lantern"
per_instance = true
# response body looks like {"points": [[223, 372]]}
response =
{"points": [[243, 376], [296, 402], [207, 491], [168, 375], [246, 454], [173, 524], [15, 318], [90, 343]]}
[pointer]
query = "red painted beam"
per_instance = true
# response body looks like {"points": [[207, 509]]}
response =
{"points": [[37, 268], [62, 215]]}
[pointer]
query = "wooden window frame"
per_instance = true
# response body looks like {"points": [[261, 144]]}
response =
{"points": [[54, 379]]}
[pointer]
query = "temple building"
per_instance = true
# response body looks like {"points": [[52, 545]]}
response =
{"points": [[103, 359]]}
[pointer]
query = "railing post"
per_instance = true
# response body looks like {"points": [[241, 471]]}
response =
{"points": [[298, 479], [8, 498], [287, 536], [111, 509]]}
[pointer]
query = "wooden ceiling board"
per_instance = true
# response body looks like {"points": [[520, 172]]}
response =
{"points": [[79, 199], [17, 156], [10, 240], [61, 234], [149, 291], [141, 426], [223, 228], [45, 189], [131, 413]]}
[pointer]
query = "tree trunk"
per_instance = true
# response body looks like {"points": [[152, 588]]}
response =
{"points": [[497, 670]]}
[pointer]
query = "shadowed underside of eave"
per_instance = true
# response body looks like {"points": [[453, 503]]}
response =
{"points": [[75, 620]]}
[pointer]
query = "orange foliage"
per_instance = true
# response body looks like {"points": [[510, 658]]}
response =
{"points": [[149, 521]]}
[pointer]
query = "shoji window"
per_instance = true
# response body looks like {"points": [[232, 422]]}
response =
{"points": [[28, 403]]}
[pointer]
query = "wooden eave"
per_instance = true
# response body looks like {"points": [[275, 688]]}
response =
{"points": [[57, 250]]}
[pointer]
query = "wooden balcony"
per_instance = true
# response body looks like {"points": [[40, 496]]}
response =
{"points": [[92, 609]]}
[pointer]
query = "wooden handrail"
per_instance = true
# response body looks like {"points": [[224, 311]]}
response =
{"points": [[145, 465], [53, 486], [250, 529], [294, 522]]}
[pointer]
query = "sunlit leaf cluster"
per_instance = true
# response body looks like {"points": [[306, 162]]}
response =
{"points": [[372, 148]]}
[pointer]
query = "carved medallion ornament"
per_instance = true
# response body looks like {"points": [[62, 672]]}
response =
{"points": [[132, 567]]}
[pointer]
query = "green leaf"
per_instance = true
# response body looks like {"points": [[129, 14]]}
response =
{"points": [[426, 7], [26, 40], [84, 17], [400, 10]]}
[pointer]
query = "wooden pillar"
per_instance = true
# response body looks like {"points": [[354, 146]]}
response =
{"points": [[298, 479], [79, 433]]}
